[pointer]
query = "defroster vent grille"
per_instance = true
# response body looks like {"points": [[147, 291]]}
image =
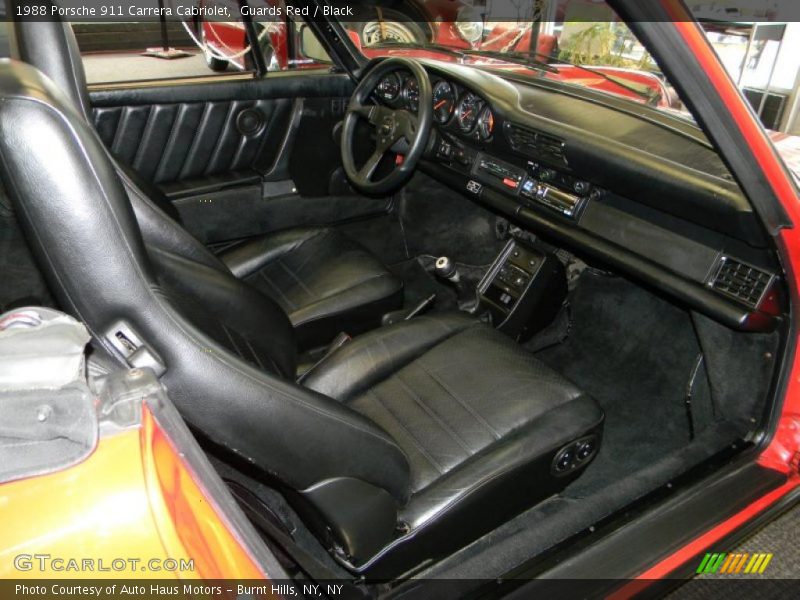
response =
{"points": [[535, 143], [740, 281]]}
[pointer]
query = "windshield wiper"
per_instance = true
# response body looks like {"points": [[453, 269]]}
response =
{"points": [[413, 46], [514, 58], [517, 58], [651, 96]]}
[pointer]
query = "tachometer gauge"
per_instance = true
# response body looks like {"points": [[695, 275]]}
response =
{"points": [[389, 87], [486, 123], [444, 100], [467, 111], [411, 94]]}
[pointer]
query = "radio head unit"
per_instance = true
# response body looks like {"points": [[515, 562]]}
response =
{"points": [[567, 204], [542, 187]]}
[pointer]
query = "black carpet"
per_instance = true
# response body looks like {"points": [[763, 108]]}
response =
{"points": [[634, 353]]}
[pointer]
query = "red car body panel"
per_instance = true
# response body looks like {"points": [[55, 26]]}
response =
{"points": [[135, 495]]}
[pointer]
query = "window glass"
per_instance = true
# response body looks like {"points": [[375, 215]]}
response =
{"points": [[577, 42], [192, 47]]}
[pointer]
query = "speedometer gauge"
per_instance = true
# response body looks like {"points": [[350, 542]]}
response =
{"points": [[444, 100], [467, 111], [486, 123]]}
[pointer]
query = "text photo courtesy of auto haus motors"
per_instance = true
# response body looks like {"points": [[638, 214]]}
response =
{"points": [[395, 299]]}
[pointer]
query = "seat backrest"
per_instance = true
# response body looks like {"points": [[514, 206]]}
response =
{"points": [[228, 350]]}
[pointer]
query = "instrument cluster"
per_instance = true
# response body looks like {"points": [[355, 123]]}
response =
{"points": [[456, 109]]}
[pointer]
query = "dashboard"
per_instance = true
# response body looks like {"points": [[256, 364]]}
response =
{"points": [[640, 191]]}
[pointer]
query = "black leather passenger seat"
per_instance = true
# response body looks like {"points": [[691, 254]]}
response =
{"points": [[325, 282], [479, 419]]}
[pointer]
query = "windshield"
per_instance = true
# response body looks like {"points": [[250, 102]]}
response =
{"points": [[577, 42]]}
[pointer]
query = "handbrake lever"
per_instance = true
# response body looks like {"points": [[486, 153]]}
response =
{"points": [[421, 307]]}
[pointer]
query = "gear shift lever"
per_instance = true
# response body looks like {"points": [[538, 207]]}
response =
{"points": [[445, 268]]}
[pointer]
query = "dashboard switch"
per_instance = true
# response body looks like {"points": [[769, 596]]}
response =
{"points": [[474, 187]]}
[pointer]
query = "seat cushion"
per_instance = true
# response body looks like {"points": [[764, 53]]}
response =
{"points": [[324, 281], [479, 419]]}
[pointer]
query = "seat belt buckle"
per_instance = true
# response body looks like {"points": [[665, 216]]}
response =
{"points": [[133, 349]]}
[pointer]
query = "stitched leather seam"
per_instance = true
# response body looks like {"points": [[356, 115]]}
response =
{"points": [[396, 365], [201, 123], [310, 255], [115, 143], [291, 274], [132, 188], [175, 294], [170, 145], [274, 287], [230, 337], [434, 463], [256, 265], [449, 430], [146, 134], [469, 408], [221, 138], [255, 354]]}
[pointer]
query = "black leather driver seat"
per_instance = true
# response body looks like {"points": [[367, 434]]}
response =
{"points": [[325, 282], [409, 441]]}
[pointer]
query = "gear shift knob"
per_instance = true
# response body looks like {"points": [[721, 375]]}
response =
{"points": [[446, 269]]}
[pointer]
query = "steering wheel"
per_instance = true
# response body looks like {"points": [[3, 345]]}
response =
{"points": [[395, 129]]}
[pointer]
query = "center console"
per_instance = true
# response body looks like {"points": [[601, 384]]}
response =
{"points": [[523, 290]]}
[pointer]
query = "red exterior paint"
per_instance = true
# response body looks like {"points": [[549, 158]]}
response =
{"points": [[202, 528], [701, 543]]}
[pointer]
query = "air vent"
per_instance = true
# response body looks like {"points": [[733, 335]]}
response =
{"points": [[535, 143], [550, 145], [740, 281]]}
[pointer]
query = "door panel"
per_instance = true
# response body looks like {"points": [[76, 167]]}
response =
{"points": [[188, 133], [170, 143], [238, 157]]}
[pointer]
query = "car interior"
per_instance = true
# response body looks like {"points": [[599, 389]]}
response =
{"points": [[432, 323]]}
